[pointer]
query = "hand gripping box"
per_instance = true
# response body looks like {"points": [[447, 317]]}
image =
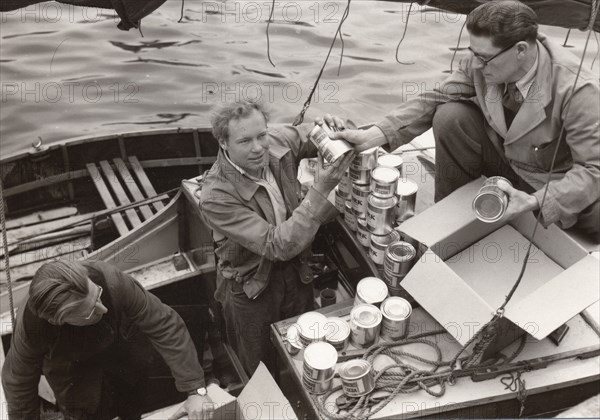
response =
{"points": [[467, 267]]}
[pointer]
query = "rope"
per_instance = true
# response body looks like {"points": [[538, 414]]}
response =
{"points": [[300, 118], [593, 14], [402, 38], [6, 256], [181, 14], [457, 46]]}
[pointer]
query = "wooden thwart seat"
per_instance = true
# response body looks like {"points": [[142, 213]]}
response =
{"points": [[115, 185]]}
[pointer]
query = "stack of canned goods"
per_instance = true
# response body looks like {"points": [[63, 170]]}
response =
{"points": [[398, 260], [319, 367]]}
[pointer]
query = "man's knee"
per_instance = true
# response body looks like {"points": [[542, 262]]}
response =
{"points": [[454, 114]]}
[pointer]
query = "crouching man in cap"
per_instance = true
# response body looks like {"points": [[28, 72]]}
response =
{"points": [[90, 329]]}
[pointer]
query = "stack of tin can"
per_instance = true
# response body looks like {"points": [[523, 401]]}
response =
{"points": [[319, 367], [398, 260]]}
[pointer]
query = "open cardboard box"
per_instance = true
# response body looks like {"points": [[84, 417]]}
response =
{"points": [[261, 399], [467, 267]]}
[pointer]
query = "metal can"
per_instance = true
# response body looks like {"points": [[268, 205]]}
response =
{"points": [[357, 377], [365, 322], [366, 159], [311, 326], [331, 150], [319, 367], [340, 201], [362, 233], [384, 181], [349, 216], [380, 214], [360, 194], [370, 290], [338, 333], [292, 339], [395, 313], [379, 244], [490, 202], [406, 193], [359, 176], [345, 185], [399, 258], [391, 161]]}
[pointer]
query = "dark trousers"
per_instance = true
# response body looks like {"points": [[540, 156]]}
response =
{"points": [[247, 321], [464, 152]]}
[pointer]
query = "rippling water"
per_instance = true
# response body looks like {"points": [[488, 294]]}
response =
{"points": [[68, 71]]}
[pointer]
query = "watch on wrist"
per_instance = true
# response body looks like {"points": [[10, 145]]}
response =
{"points": [[200, 391]]}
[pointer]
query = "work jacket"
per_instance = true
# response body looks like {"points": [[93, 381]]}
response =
{"points": [[74, 359], [241, 214], [529, 144]]}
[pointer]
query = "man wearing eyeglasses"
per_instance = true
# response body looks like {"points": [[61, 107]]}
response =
{"points": [[91, 330], [503, 112]]}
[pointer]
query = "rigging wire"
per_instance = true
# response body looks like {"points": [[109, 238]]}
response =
{"points": [[11, 303], [402, 38], [267, 33], [457, 46], [181, 15], [300, 117]]}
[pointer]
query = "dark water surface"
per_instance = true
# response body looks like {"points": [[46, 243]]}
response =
{"points": [[68, 71]]}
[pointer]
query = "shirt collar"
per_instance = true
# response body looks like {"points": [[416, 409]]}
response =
{"points": [[239, 168], [525, 82]]}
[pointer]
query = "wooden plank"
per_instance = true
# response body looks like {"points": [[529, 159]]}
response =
{"points": [[107, 198], [113, 181], [144, 181], [41, 217], [132, 187]]}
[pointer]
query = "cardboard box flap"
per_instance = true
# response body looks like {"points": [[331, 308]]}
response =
{"points": [[559, 300], [447, 217], [262, 398], [442, 293], [551, 240]]}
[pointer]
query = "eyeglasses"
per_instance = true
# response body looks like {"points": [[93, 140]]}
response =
{"points": [[95, 303], [486, 61]]}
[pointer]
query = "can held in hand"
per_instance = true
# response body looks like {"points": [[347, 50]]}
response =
{"points": [[379, 244], [370, 290], [384, 181], [362, 232], [399, 258], [357, 377], [406, 192], [350, 216], [319, 367], [395, 313], [338, 333], [311, 326], [380, 214], [365, 322], [360, 195], [391, 161], [331, 150], [491, 202]]}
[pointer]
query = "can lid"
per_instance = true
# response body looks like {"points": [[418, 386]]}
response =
{"points": [[320, 355], [396, 308], [382, 203], [489, 206], [366, 315], [354, 369], [406, 187], [337, 329], [401, 251], [312, 325], [292, 334], [391, 237], [385, 174], [390, 160], [372, 290]]}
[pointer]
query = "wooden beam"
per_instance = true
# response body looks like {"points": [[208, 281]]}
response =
{"points": [[132, 187], [144, 181], [122, 198], [107, 198]]}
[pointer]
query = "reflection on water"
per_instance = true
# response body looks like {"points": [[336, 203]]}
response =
{"points": [[93, 85]]}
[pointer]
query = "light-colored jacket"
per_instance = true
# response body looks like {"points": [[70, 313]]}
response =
{"points": [[240, 211], [530, 142]]}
